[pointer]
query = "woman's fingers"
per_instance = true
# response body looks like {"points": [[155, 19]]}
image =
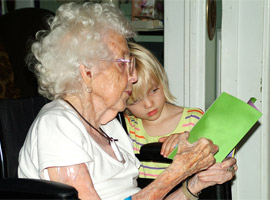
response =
{"points": [[216, 177], [209, 145], [197, 156], [184, 136], [228, 162], [203, 145], [219, 172]]}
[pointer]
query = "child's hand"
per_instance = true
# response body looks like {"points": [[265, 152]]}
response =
{"points": [[169, 143]]}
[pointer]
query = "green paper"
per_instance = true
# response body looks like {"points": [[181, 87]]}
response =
{"points": [[226, 122]]}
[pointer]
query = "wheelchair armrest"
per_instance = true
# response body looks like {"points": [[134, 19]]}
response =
{"points": [[35, 189], [151, 152]]}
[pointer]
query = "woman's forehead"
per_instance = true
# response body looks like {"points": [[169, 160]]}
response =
{"points": [[116, 43]]}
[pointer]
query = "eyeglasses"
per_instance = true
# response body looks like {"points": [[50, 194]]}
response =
{"points": [[130, 63]]}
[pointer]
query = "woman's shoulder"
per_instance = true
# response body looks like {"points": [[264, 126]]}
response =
{"points": [[57, 107], [59, 115], [56, 123]]}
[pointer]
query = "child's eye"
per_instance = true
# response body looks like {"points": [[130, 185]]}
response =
{"points": [[135, 102], [152, 91], [156, 89]]}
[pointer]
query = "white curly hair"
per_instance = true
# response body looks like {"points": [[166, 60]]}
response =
{"points": [[75, 36]]}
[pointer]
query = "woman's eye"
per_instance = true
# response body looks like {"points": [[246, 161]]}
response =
{"points": [[121, 65]]}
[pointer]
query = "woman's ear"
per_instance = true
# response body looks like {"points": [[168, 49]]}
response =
{"points": [[86, 74]]}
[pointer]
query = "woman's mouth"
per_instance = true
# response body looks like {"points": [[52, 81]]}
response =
{"points": [[129, 93], [152, 113]]}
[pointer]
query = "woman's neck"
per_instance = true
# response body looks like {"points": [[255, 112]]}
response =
{"points": [[84, 107]]}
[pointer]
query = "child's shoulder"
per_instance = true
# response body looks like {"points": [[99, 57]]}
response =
{"points": [[132, 122], [172, 108], [189, 110], [194, 111], [130, 118]]}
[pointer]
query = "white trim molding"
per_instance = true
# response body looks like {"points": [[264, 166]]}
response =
{"points": [[265, 148], [195, 54], [244, 74], [174, 43], [185, 50]]}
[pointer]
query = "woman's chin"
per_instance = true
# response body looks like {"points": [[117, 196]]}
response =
{"points": [[123, 108], [121, 105]]}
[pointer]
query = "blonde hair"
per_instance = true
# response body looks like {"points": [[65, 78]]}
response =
{"points": [[150, 73]]}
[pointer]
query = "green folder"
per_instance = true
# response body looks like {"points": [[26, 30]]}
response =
{"points": [[226, 122]]}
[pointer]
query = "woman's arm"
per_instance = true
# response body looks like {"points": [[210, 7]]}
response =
{"points": [[190, 159], [76, 176]]}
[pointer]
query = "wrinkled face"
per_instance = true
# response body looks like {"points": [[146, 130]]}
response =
{"points": [[151, 106], [113, 85]]}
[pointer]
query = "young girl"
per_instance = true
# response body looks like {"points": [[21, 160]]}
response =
{"points": [[151, 115]]}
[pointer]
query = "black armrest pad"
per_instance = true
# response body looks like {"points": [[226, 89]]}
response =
{"points": [[151, 152], [217, 192], [35, 189]]}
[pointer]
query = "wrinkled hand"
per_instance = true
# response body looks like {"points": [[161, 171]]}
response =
{"points": [[168, 144], [192, 158], [217, 174], [189, 159]]}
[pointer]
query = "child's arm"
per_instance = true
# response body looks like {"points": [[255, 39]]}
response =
{"points": [[169, 143]]}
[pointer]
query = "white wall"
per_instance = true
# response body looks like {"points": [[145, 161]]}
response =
{"points": [[244, 70], [174, 49], [189, 54]]}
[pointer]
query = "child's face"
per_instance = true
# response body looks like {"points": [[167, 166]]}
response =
{"points": [[151, 106]]}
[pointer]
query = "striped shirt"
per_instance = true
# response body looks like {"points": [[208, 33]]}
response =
{"points": [[140, 137]]}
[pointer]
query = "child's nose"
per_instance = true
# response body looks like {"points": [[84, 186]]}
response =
{"points": [[148, 103]]}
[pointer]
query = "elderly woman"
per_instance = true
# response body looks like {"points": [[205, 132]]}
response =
{"points": [[83, 65]]}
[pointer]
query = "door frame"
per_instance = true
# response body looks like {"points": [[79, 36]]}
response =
{"points": [[185, 54]]}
